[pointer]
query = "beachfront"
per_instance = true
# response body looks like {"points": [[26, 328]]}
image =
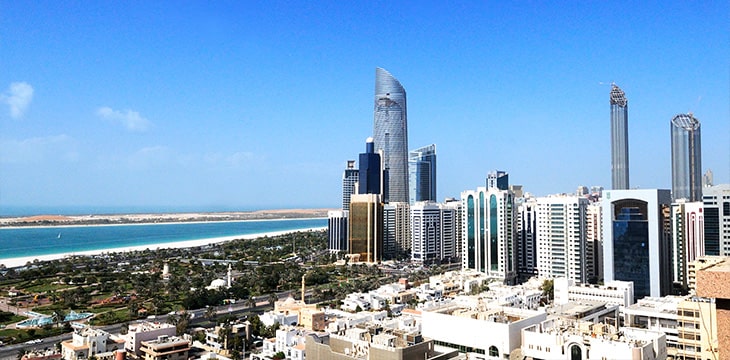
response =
{"points": [[20, 261]]}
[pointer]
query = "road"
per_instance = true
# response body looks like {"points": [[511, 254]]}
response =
{"points": [[10, 352]]}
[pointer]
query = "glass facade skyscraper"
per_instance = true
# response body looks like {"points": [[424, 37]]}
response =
{"points": [[637, 239], [686, 158], [390, 132], [370, 173], [619, 139], [422, 174]]}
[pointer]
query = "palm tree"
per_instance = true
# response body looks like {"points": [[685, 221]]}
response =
{"points": [[58, 317], [251, 302], [273, 298], [210, 313]]}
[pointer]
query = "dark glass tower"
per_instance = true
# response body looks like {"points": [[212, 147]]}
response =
{"points": [[686, 158], [370, 174], [422, 174], [619, 139], [631, 246], [390, 133]]}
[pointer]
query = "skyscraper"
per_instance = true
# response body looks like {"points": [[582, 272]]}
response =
{"points": [[490, 233], [390, 133], [686, 158], [619, 139], [349, 180], [498, 179], [422, 174], [366, 228], [716, 206], [636, 240], [688, 238], [561, 238], [370, 173]]}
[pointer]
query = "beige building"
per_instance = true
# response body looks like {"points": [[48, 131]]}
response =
{"points": [[88, 342], [309, 316], [712, 283], [144, 331], [373, 343], [696, 330], [165, 348]]}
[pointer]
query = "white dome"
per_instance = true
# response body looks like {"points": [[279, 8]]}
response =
{"points": [[217, 283]]}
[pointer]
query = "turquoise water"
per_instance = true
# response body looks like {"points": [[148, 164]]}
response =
{"points": [[38, 320], [35, 241]]}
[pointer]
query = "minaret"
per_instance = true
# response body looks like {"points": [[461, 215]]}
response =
{"points": [[229, 276]]}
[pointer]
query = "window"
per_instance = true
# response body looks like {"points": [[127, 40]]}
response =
{"points": [[493, 351]]}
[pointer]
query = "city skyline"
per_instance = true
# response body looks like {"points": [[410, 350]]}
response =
{"points": [[224, 105]]}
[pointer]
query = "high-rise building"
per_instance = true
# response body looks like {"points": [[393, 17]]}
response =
{"points": [[490, 233], [337, 230], [498, 179], [396, 231], [686, 158], [637, 240], [561, 238], [526, 235], [619, 139], [426, 232], [366, 228], [688, 238], [370, 174], [390, 133], [422, 174], [716, 204], [594, 241], [453, 222], [708, 178], [349, 183]]}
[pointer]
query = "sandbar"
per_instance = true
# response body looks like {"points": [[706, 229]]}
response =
{"points": [[21, 261]]}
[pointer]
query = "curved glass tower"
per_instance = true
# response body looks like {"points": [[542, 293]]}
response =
{"points": [[619, 139], [686, 158], [390, 132]]}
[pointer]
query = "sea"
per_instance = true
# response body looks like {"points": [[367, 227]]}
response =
{"points": [[35, 241]]}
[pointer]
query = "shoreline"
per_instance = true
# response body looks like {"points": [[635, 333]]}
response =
{"points": [[21, 261], [158, 218], [177, 222]]}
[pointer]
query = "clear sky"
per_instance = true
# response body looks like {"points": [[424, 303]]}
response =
{"points": [[248, 104]]}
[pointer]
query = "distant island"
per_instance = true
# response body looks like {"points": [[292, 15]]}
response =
{"points": [[151, 218]]}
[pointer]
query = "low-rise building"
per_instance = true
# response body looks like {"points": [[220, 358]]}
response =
{"points": [[571, 339], [87, 342], [697, 329], [478, 331], [614, 292], [165, 348], [656, 314], [143, 331], [371, 342]]}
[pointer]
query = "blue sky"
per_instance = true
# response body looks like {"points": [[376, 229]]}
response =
{"points": [[259, 105]]}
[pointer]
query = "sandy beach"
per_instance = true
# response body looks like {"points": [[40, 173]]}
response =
{"points": [[20, 261], [128, 219]]}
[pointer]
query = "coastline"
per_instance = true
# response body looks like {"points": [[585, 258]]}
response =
{"points": [[158, 218], [21, 261], [74, 225]]}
